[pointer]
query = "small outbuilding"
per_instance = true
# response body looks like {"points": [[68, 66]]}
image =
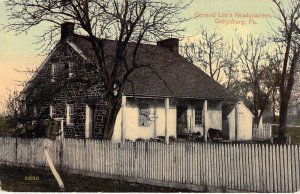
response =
{"points": [[240, 123]]}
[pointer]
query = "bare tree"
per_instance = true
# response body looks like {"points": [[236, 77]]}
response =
{"points": [[123, 20], [294, 105], [256, 71], [273, 78], [287, 36], [9, 116], [231, 69], [208, 53], [214, 55], [296, 92]]}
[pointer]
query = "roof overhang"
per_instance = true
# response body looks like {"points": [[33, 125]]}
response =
{"points": [[179, 97]]}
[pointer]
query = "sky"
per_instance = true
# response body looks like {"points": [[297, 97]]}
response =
{"points": [[19, 53]]}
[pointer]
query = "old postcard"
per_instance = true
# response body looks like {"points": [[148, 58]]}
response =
{"points": [[150, 96]]}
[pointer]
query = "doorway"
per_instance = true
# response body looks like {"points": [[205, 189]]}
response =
{"points": [[182, 121]]}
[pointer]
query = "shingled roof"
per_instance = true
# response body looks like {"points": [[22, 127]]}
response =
{"points": [[168, 74]]}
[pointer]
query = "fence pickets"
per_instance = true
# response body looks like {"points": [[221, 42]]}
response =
{"points": [[262, 133], [245, 167]]}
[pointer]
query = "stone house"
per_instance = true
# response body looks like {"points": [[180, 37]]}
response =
{"points": [[172, 98]]}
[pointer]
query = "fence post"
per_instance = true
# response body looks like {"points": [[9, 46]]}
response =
{"points": [[135, 145], [205, 113], [270, 131], [61, 152], [53, 170]]}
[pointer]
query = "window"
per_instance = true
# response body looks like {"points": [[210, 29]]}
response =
{"points": [[53, 72], [70, 114], [144, 115], [35, 111], [69, 70], [198, 117], [51, 111]]}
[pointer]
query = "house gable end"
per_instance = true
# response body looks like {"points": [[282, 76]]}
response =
{"points": [[61, 53]]}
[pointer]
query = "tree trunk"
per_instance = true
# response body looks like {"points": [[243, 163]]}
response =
{"points": [[274, 106], [255, 102], [285, 94], [113, 108], [282, 120]]}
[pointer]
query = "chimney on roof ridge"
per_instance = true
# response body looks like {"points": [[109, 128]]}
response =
{"points": [[171, 43], [67, 29]]}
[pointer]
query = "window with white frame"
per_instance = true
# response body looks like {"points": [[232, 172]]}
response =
{"points": [[70, 114], [198, 116], [35, 111], [53, 69], [71, 69], [51, 111], [144, 115]]}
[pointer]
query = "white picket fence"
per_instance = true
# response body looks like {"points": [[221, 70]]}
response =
{"points": [[263, 133], [244, 167]]}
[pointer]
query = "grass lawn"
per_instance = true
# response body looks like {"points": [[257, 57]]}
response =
{"points": [[294, 132], [18, 179]]}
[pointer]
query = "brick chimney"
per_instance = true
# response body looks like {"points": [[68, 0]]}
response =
{"points": [[67, 29], [171, 43]]}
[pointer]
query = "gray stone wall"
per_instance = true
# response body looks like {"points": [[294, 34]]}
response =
{"points": [[78, 90]]}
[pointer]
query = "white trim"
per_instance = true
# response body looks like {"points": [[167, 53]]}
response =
{"points": [[206, 119], [78, 50], [51, 111], [68, 117], [61, 131], [167, 106], [53, 71], [89, 121]]}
